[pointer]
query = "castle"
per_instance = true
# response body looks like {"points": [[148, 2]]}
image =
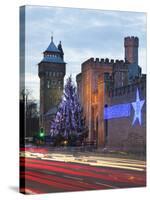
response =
{"points": [[108, 85], [112, 94]]}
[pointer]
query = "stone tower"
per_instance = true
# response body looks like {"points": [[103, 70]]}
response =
{"points": [[51, 71], [131, 45]]}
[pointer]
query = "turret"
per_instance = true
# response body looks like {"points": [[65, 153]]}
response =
{"points": [[131, 45]]}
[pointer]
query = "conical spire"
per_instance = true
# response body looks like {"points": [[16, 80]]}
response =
{"points": [[52, 47], [53, 54]]}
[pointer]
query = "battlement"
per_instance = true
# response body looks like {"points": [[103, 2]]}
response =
{"points": [[105, 61], [119, 62], [128, 89], [131, 41], [120, 65], [99, 61]]}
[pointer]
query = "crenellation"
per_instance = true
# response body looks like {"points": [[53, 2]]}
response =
{"points": [[102, 60], [97, 60], [125, 90], [107, 60], [131, 41], [112, 61]]}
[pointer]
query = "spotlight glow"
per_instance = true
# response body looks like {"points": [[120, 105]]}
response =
{"points": [[137, 105]]}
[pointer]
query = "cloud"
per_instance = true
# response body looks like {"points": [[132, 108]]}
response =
{"points": [[84, 33]]}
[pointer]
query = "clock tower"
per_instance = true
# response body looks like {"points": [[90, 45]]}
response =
{"points": [[51, 71]]}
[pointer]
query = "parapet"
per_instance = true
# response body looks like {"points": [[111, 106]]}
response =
{"points": [[128, 89], [120, 64], [131, 41], [98, 61]]}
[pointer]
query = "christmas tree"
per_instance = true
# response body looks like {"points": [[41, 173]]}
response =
{"points": [[69, 123]]}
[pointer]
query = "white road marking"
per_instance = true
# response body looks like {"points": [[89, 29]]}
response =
{"points": [[106, 185], [120, 163], [72, 177]]}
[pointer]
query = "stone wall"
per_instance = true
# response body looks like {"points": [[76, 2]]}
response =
{"points": [[87, 82], [122, 134]]}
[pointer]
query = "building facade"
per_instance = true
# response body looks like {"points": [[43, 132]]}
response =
{"points": [[51, 71], [108, 85]]}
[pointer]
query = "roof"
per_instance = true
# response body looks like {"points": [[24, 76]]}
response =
{"points": [[53, 54], [52, 59], [52, 47]]}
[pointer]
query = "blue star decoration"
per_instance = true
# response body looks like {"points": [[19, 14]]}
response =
{"points": [[137, 106]]}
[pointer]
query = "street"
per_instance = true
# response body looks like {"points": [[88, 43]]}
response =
{"points": [[47, 172]]}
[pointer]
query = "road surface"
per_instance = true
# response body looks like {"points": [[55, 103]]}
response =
{"points": [[53, 172]]}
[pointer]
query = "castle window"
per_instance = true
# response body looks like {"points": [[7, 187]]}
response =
{"points": [[122, 78], [48, 84], [54, 82], [59, 82]]}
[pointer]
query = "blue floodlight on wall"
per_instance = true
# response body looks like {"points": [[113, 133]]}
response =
{"points": [[117, 111], [137, 106], [124, 110]]}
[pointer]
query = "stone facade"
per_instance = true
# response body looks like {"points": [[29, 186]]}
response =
{"points": [[88, 89], [108, 82], [122, 133]]}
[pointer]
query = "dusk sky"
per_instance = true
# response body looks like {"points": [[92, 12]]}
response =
{"points": [[84, 33]]}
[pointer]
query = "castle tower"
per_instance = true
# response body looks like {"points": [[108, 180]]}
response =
{"points": [[88, 86], [51, 72], [131, 45]]}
